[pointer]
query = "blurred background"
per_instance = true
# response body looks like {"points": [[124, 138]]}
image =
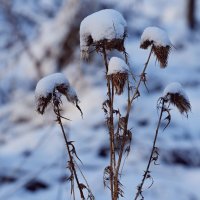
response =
{"points": [[41, 37]]}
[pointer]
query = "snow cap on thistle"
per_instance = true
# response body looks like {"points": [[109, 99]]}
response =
{"points": [[103, 29], [175, 94], [50, 88], [118, 74], [158, 39]]}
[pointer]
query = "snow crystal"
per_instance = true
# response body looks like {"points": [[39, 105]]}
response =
{"points": [[105, 24], [156, 35], [47, 84], [116, 65], [174, 88]]}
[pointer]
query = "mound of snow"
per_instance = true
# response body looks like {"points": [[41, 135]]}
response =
{"points": [[105, 24], [155, 35], [116, 65], [47, 84]]}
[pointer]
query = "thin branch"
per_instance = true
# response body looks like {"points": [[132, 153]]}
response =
{"points": [[139, 192], [141, 77], [110, 125], [122, 147], [69, 152]]}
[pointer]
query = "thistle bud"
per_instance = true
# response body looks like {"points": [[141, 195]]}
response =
{"points": [[160, 42], [50, 88], [103, 29], [118, 74]]}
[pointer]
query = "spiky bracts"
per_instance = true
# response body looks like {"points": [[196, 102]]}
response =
{"points": [[162, 54], [118, 80], [42, 103], [175, 95], [180, 102]]}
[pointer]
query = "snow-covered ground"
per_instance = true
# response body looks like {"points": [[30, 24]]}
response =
{"points": [[32, 150]]}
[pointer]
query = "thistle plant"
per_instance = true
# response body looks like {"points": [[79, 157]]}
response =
{"points": [[106, 36], [175, 95], [160, 45], [109, 37], [48, 92], [106, 31]]}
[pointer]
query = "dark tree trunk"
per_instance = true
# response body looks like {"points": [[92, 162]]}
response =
{"points": [[191, 19]]}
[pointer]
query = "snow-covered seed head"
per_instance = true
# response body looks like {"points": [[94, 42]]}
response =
{"points": [[159, 41], [175, 94], [49, 90], [118, 74], [103, 29]]}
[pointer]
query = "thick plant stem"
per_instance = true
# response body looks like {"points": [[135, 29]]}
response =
{"points": [[110, 126], [69, 153], [139, 192]]}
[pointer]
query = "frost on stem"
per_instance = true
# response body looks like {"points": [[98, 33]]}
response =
{"points": [[160, 42], [175, 94], [103, 29], [50, 88], [118, 74]]}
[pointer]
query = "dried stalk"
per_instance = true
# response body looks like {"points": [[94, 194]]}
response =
{"points": [[129, 105], [139, 192], [136, 93], [115, 165], [71, 160], [110, 125]]}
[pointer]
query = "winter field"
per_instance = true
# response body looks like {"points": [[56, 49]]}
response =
{"points": [[38, 38]]}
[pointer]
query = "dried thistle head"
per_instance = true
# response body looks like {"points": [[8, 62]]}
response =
{"points": [[175, 95], [49, 90], [111, 44], [103, 29], [159, 41], [42, 103], [117, 74], [162, 54], [118, 80]]}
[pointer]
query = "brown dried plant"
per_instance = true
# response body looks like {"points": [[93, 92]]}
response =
{"points": [[120, 135], [182, 103], [118, 81], [179, 101], [161, 52], [55, 99]]}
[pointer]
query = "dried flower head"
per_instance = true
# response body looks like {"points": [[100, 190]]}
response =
{"points": [[50, 88], [103, 29], [42, 103], [175, 95], [160, 42], [118, 74]]}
